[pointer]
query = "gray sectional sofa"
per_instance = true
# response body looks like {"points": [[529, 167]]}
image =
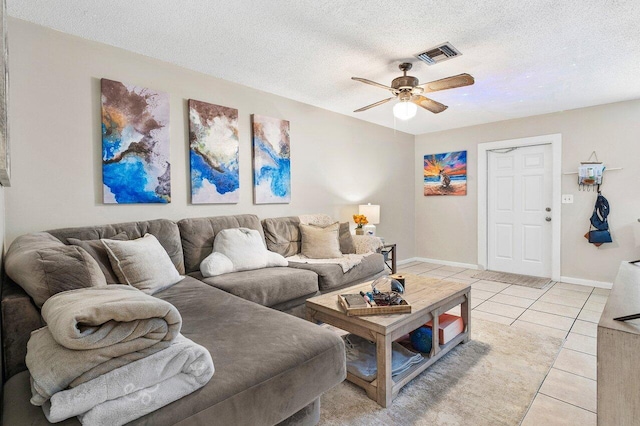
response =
{"points": [[271, 367]]}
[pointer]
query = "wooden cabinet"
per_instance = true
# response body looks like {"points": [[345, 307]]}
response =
{"points": [[619, 352]]}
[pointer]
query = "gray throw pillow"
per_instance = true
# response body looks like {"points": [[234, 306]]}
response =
{"points": [[346, 241], [43, 266], [320, 243], [97, 250], [142, 263]]}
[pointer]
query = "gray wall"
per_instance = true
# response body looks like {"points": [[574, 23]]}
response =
{"points": [[337, 161], [446, 227]]}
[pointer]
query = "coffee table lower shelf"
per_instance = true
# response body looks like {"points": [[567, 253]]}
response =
{"points": [[399, 381]]}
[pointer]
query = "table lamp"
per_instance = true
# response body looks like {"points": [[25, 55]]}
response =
{"points": [[372, 212]]}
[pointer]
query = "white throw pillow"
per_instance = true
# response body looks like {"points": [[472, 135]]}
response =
{"points": [[239, 249], [215, 264], [142, 263]]}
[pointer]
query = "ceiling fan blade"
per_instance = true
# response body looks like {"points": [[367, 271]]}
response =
{"points": [[373, 83], [429, 104], [448, 83], [375, 104]]}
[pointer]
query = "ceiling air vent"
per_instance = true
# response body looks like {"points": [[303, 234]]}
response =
{"points": [[438, 54]]}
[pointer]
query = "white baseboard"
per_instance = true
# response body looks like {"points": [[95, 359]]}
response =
{"points": [[446, 262], [568, 280], [405, 261], [588, 283]]}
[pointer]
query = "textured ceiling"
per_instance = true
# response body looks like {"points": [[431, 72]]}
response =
{"points": [[528, 57]]}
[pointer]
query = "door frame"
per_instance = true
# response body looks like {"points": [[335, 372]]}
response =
{"points": [[556, 153]]}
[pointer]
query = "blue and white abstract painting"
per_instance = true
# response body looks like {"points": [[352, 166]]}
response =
{"points": [[271, 160], [213, 153], [135, 144]]}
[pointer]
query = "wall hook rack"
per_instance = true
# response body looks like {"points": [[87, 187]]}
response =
{"points": [[590, 173]]}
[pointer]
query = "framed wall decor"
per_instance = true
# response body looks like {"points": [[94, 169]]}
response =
{"points": [[271, 160], [5, 159], [445, 174], [213, 153], [135, 144]]}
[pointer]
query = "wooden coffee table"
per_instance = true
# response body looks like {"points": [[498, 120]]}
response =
{"points": [[428, 298]]}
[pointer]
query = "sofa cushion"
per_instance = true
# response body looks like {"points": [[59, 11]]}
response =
{"points": [[142, 263], [164, 230], [198, 234], [269, 365], [239, 249], [19, 318], [346, 240], [331, 276], [268, 286], [320, 242], [17, 410], [282, 235], [43, 266], [96, 249]]}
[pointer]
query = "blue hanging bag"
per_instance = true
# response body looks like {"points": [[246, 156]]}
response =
{"points": [[598, 220]]}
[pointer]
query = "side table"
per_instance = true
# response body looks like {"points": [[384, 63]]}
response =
{"points": [[389, 253]]}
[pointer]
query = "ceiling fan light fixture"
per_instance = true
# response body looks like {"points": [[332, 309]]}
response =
{"points": [[405, 110]]}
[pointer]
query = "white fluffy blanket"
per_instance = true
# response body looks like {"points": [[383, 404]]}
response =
{"points": [[318, 219], [367, 243], [135, 389], [346, 262]]}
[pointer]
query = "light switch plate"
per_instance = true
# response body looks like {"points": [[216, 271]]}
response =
{"points": [[567, 198]]}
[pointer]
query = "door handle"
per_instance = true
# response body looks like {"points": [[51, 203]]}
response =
{"points": [[548, 219], [548, 209]]}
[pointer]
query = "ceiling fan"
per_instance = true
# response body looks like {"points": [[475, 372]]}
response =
{"points": [[408, 91]]}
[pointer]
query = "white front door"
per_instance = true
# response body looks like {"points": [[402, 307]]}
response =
{"points": [[519, 210]]}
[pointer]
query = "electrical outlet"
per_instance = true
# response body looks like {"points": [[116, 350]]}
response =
{"points": [[567, 198]]}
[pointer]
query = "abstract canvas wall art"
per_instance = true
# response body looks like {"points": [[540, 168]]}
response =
{"points": [[445, 174], [213, 153], [271, 160], [135, 144]]}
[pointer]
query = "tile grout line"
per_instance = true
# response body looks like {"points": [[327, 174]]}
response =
{"points": [[571, 372], [542, 382], [554, 362], [568, 403]]}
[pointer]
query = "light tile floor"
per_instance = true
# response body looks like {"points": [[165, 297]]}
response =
{"points": [[568, 311]]}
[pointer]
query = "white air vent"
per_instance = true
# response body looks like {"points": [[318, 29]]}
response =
{"points": [[438, 54]]}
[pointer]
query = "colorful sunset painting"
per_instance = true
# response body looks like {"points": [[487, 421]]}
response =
{"points": [[213, 153], [445, 174], [135, 144], [271, 160]]}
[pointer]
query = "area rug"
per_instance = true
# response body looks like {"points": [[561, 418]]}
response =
{"points": [[506, 277], [491, 380]]}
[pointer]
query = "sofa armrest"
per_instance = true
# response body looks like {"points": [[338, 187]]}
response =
{"points": [[20, 317], [367, 243]]}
